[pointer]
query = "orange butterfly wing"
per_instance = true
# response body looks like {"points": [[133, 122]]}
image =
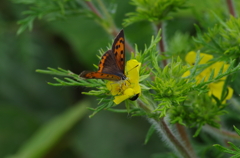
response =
{"points": [[112, 63], [99, 75], [118, 49]]}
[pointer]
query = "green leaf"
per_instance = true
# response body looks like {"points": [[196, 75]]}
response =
{"points": [[223, 149], [235, 151], [233, 146], [237, 130], [149, 134], [47, 136], [153, 10], [143, 77], [236, 156]]}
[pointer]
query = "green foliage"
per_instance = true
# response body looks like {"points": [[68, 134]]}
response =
{"points": [[164, 90], [149, 56], [149, 134], [72, 79], [170, 89], [50, 10], [231, 69], [199, 109], [235, 151], [176, 48], [62, 9], [221, 40], [153, 10], [197, 112]]}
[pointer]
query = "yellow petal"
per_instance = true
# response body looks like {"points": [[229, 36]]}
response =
{"points": [[191, 57], [127, 94], [205, 58], [216, 90], [229, 96], [186, 74], [217, 66], [132, 70]]}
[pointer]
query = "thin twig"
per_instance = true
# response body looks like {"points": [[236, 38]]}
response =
{"points": [[222, 133], [114, 31], [231, 7], [93, 8], [161, 43]]}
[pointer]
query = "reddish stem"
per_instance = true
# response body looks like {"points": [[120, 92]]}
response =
{"points": [[179, 146], [185, 138], [224, 133], [231, 7], [161, 44], [93, 8]]}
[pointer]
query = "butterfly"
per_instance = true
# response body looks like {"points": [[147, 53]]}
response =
{"points": [[112, 63]]}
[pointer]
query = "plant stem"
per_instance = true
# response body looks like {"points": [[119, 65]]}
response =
{"points": [[112, 30], [166, 133], [93, 8], [161, 43], [222, 133], [184, 137], [231, 7]]}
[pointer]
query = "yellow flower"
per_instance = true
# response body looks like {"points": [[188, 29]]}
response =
{"points": [[128, 88], [215, 88]]}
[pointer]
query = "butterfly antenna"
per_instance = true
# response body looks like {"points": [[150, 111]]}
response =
{"points": [[132, 68]]}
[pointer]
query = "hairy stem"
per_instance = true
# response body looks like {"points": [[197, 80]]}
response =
{"points": [[161, 43], [222, 133], [112, 30], [167, 134], [231, 7], [184, 137], [171, 139]]}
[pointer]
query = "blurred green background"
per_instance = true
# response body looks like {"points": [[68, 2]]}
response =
{"points": [[28, 105]]}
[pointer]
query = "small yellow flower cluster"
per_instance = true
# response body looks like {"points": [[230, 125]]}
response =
{"points": [[215, 88], [128, 88]]}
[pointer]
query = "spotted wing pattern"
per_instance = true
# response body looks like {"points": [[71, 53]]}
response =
{"points": [[112, 63], [99, 75], [118, 49]]}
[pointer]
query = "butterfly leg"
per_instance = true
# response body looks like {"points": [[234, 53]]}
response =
{"points": [[116, 87]]}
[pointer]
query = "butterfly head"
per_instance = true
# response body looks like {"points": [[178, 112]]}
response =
{"points": [[123, 77]]}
